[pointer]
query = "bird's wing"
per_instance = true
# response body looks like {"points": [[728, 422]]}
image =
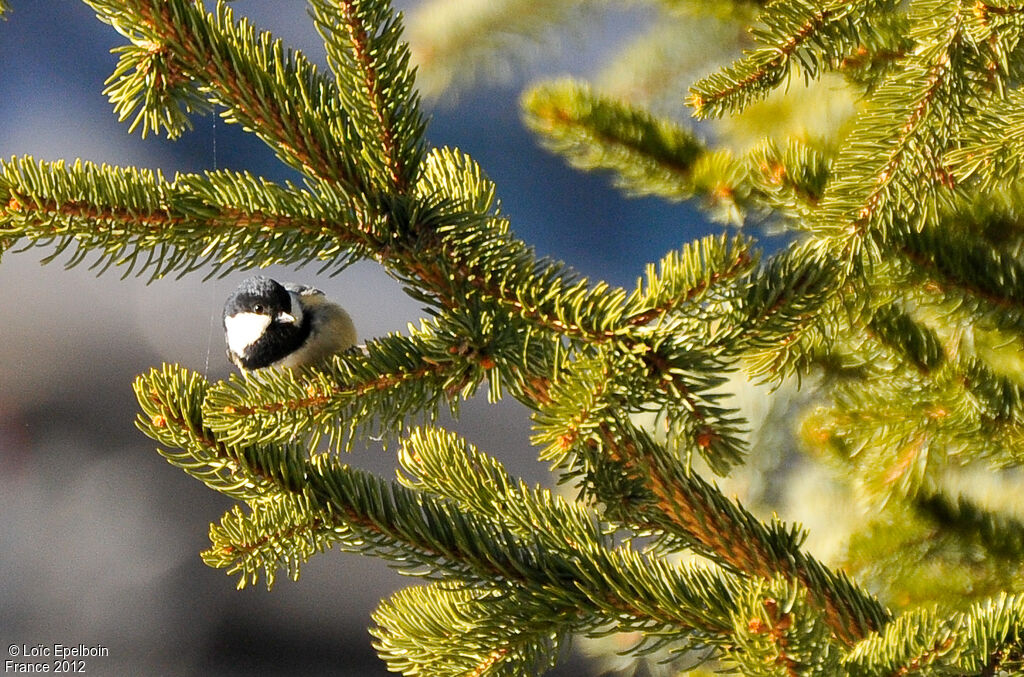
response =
{"points": [[302, 289]]}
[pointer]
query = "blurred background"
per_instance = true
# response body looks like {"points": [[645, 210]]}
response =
{"points": [[99, 537]]}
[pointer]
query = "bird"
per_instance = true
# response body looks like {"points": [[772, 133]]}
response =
{"points": [[269, 324]]}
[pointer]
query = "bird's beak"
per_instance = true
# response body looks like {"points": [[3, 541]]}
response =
{"points": [[286, 317]]}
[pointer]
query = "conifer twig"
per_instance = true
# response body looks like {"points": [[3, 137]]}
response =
{"points": [[216, 54], [697, 512]]}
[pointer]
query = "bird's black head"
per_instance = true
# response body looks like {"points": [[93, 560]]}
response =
{"points": [[258, 295], [261, 326]]}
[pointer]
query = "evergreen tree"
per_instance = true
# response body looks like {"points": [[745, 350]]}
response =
{"points": [[896, 302]]}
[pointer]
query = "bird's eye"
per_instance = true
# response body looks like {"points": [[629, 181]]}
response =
{"points": [[257, 308]]}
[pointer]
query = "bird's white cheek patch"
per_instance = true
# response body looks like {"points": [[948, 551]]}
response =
{"points": [[244, 329]]}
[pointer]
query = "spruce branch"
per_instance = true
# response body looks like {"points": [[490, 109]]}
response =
{"points": [[274, 92], [906, 424], [626, 587], [990, 153], [917, 343], [901, 447], [791, 179], [443, 464], [987, 639], [891, 161], [651, 155], [924, 404], [428, 534], [998, 398], [886, 45], [450, 175], [720, 176], [576, 405], [402, 376], [476, 259], [502, 634], [815, 36], [465, 632], [444, 631], [962, 266], [646, 154], [698, 274], [371, 65], [689, 508], [149, 82], [137, 219], [780, 633], [281, 532], [779, 322], [643, 479], [355, 510], [171, 400], [551, 297], [1001, 535]]}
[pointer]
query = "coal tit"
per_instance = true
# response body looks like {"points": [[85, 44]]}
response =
{"points": [[267, 324]]}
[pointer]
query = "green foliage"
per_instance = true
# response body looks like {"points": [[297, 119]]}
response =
{"points": [[375, 86], [648, 155], [149, 83], [1001, 535], [916, 343], [437, 630], [811, 35], [137, 219], [887, 180], [991, 150], [985, 639], [779, 633], [277, 533], [894, 299], [171, 400], [791, 179], [936, 551], [369, 393], [273, 91]]}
